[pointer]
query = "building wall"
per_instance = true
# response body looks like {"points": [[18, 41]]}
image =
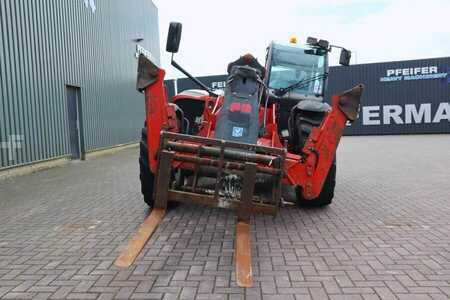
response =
{"points": [[48, 44], [394, 101]]}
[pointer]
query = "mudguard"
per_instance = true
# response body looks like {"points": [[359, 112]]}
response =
{"points": [[311, 105]]}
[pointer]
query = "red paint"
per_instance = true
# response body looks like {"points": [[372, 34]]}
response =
{"points": [[309, 172], [242, 107], [235, 106]]}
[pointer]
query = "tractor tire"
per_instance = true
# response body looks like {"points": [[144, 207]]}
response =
{"points": [[304, 121], [326, 195], [146, 176]]}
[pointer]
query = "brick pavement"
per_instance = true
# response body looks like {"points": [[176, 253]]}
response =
{"points": [[386, 236]]}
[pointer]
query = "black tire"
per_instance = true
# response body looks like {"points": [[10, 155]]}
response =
{"points": [[145, 175], [326, 195], [304, 121]]}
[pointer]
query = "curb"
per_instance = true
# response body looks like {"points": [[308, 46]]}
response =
{"points": [[38, 166], [33, 167]]}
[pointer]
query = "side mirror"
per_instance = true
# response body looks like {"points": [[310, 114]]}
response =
{"points": [[174, 37], [344, 60], [323, 44], [311, 41]]}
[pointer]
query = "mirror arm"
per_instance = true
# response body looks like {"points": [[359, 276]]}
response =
{"points": [[335, 46], [195, 80]]}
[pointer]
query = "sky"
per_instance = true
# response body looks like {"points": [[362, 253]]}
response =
{"points": [[218, 32]]}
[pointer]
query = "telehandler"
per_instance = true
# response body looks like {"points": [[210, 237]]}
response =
{"points": [[270, 127]]}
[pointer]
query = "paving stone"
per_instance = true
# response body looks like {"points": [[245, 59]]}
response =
{"points": [[384, 237]]}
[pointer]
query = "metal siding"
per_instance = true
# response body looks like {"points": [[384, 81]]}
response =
{"points": [[2, 90], [24, 78], [48, 44], [8, 115]]}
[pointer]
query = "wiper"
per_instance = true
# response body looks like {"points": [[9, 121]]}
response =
{"points": [[282, 91]]}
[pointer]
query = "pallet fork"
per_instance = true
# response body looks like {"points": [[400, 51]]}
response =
{"points": [[249, 161]]}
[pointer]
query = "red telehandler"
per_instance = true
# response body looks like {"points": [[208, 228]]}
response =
{"points": [[270, 127]]}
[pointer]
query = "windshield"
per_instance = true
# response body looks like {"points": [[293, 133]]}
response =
{"points": [[291, 64]]}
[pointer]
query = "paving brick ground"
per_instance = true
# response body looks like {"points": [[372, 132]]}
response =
{"points": [[387, 235]]}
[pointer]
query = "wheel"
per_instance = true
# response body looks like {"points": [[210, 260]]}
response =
{"points": [[326, 195], [145, 175], [304, 121]]}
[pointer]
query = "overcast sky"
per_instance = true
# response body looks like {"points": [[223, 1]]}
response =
{"points": [[217, 32]]}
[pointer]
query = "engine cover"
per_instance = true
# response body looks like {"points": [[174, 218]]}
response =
{"points": [[238, 118]]}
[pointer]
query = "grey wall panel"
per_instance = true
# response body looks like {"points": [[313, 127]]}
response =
{"points": [[3, 157], [48, 44]]}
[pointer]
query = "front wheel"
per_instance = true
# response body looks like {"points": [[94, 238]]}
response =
{"points": [[304, 122], [145, 175], [326, 195]]}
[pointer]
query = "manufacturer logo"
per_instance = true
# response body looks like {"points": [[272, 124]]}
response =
{"points": [[414, 73], [238, 132]]}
